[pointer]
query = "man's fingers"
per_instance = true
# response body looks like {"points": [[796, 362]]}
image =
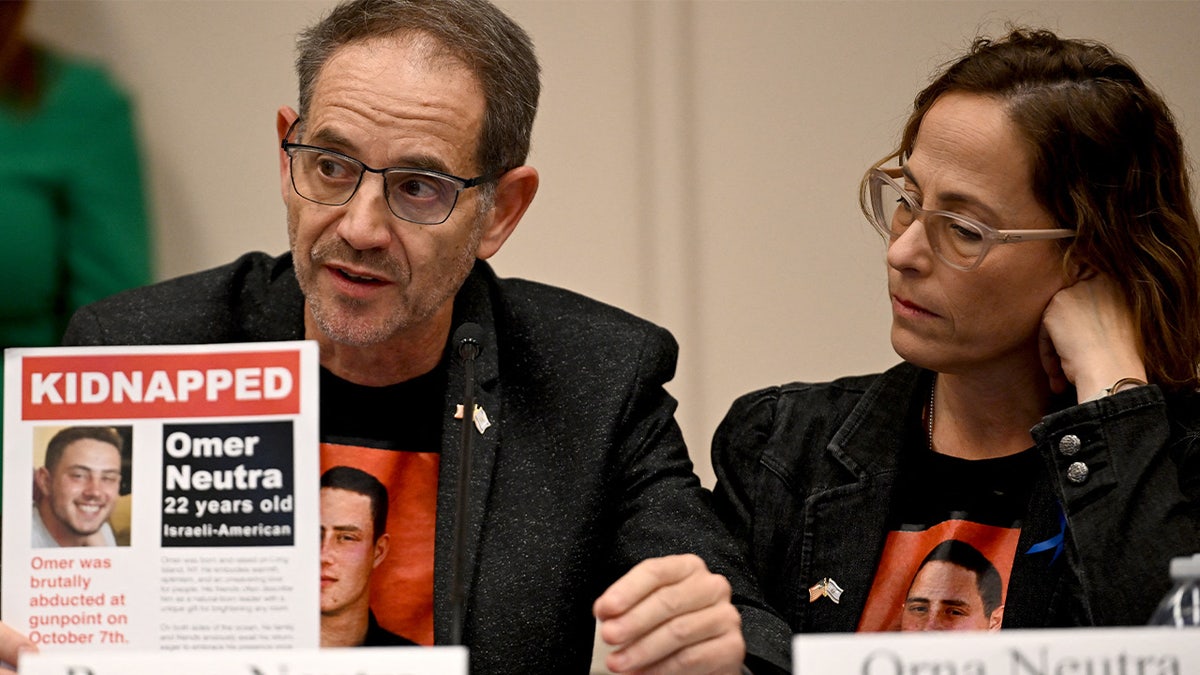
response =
{"points": [[12, 645], [671, 615], [698, 590], [645, 577], [706, 641]]}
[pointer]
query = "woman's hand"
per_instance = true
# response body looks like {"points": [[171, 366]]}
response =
{"points": [[1089, 338]]}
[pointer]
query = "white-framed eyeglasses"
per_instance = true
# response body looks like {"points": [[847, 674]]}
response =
{"points": [[958, 241]]}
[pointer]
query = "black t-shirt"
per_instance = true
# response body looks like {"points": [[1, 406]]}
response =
{"points": [[394, 433], [402, 416], [952, 539]]}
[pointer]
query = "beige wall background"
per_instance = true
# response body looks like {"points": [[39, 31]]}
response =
{"points": [[699, 158]]}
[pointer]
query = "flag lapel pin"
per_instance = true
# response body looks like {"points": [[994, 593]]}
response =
{"points": [[827, 588]]}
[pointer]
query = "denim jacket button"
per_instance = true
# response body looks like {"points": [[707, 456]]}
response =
{"points": [[1069, 445], [1077, 472]]}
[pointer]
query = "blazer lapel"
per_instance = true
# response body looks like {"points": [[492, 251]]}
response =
{"points": [[863, 459], [472, 305], [847, 562]]}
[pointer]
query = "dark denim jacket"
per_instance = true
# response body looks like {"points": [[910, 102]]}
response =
{"points": [[806, 473]]}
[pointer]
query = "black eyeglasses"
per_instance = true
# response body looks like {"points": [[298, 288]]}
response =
{"points": [[331, 178]]}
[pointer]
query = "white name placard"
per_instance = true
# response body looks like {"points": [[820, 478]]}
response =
{"points": [[1068, 651], [349, 661]]}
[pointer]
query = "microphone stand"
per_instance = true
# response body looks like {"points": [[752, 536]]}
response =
{"points": [[467, 337]]}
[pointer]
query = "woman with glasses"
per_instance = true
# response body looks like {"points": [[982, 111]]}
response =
{"points": [[1043, 262]]}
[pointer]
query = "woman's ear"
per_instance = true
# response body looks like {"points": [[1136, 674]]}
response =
{"points": [[1081, 271]]}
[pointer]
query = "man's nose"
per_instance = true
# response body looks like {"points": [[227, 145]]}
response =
{"points": [[92, 486], [939, 621], [367, 221]]}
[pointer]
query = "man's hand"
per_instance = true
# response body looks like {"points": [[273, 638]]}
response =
{"points": [[671, 615], [12, 644]]}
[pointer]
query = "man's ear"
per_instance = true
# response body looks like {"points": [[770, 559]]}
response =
{"points": [[996, 619], [41, 480], [514, 193], [381, 549], [284, 119]]}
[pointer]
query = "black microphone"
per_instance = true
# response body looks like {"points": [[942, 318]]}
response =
{"points": [[467, 341], [467, 337]]}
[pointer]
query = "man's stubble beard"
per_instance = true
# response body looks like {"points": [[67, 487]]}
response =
{"points": [[339, 319]]}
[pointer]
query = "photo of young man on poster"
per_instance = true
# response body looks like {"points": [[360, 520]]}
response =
{"points": [[78, 487]]}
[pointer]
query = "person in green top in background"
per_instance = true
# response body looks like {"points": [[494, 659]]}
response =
{"points": [[73, 224]]}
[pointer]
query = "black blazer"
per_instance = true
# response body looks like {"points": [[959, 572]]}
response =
{"points": [[582, 474], [807, 473]]}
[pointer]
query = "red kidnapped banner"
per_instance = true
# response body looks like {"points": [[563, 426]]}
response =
{"points": [[135, 386]]}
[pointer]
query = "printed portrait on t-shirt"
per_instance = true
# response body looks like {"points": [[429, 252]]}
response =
{"points": [[953, 529], [955, 588], [394, 434], [399, 573], [952, 576], [354, 543]]}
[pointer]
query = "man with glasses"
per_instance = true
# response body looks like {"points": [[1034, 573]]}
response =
{"points": [[402, 171]]}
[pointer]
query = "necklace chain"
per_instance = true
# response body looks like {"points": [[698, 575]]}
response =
{"points": [[932, 389]]}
